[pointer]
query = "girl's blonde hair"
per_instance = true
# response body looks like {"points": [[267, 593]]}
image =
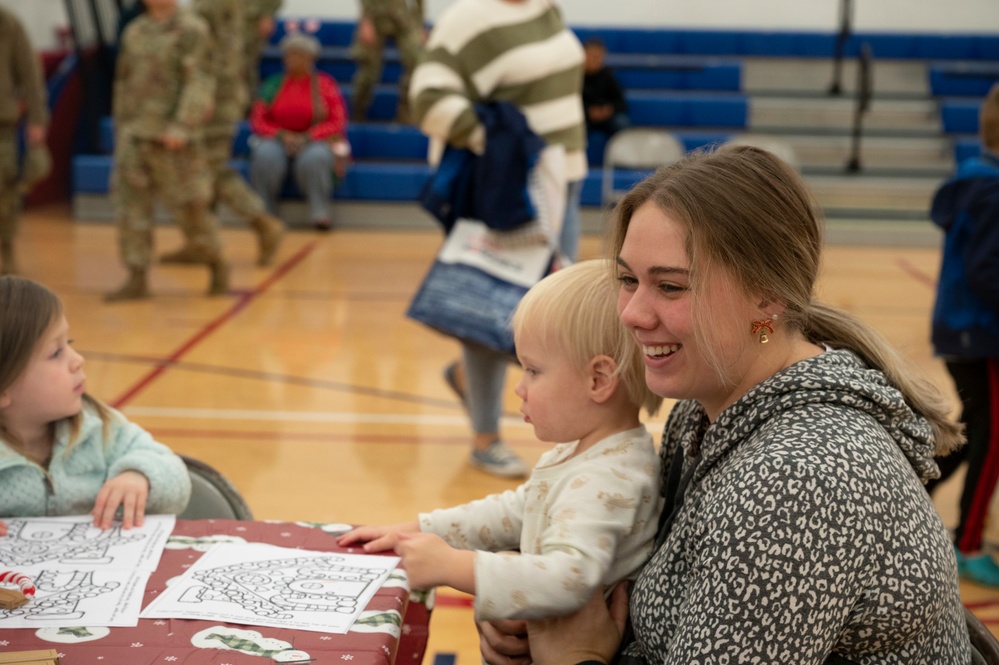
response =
{"points": [[746, 212], [27, 311], [574, 312]]}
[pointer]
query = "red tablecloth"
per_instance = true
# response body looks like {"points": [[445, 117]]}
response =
{"points": [[392, 630]]}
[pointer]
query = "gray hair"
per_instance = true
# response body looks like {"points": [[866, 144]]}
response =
{"points": [[298, 41]]}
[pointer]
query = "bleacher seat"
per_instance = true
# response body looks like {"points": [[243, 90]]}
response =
{"points": [[960, 116], [963, 78]]}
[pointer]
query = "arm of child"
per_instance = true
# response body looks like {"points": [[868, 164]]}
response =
{"points": [[131, 448], [130, 490], [431, 562], [377, 538]]}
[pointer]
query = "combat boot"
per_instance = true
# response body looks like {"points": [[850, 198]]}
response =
{"points": [[219, 284], [186, 255], [135, 287], [269, 231], [9, 262]]}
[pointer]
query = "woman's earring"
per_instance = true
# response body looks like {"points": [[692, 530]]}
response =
{"points": [[763, 327]]}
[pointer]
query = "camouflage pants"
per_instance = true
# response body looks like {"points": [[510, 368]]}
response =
{"points": [[230, 187], [144, 172], [10, 197], [407, 32]]}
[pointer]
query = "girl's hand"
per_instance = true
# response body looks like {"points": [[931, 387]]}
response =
{"points": [[129, 489], [377, 538], [592, 633]]}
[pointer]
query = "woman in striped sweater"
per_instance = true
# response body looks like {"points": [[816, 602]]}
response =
{"points": [[516, 51]]}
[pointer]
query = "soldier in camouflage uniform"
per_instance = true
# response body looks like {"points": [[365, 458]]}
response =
{"points": [[225, 21], [163, 96], [403, 21], [20, 81], [258, 28]]}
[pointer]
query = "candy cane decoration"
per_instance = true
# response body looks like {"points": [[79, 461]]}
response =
{"points": [[23, 581]]}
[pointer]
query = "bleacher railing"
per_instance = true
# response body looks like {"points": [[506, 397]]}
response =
{"points": [[865, 89], [845, 29]]}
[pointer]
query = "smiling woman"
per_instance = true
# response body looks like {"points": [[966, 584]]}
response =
{"points": [[797, 528]]}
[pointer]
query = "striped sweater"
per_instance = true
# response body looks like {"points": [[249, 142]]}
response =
{"points": [[502, 50]]}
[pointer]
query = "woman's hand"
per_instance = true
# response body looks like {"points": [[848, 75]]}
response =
{"points": [[592, 633], [504, 642], [293, 142], [377, 538], [129, 489]]}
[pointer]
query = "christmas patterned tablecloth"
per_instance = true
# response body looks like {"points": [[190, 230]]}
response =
{"points": [[392, 629]]}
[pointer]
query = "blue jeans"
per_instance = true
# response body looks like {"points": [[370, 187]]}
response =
{"points": [[312, 168], [485, 369]]}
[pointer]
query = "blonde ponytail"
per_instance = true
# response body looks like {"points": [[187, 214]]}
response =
{"points": [[823, 324]]}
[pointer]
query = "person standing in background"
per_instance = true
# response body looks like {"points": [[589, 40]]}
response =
{"points": [[258, 27], [517, 51], [606, 107], [966, 334], [225, 20], [21, 82], [380, 19], [164, 93]]}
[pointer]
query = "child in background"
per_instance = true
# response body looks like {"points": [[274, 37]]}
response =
{"points": [[587, 516], [63, 452], [966, 335]]}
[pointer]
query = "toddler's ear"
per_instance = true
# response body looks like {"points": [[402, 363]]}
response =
{"points": [[4, 400], [603, 378]]}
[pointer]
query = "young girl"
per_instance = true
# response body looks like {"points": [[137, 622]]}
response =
{"points": [[588, 514], [63, 452]]}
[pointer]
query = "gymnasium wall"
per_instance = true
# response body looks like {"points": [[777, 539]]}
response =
{"points": [[906, 16]]}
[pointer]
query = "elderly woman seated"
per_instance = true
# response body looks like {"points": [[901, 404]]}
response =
{"points": [[299, 119]]}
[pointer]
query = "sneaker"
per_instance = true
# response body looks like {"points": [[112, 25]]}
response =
{"points": [[978, 568], [499, 460]]}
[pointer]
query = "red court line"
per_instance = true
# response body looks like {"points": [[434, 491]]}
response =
{"points": [[241, 303], [453, 601], [916, 273]]}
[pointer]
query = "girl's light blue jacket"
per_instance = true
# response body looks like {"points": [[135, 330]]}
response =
{"points": [[74, 476]]}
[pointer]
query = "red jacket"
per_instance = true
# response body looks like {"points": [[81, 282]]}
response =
{"points": [[285, 104]]}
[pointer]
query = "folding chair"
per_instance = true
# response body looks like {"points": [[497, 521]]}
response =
{"points": [[636, 148], [212, 495], [984, 646]]}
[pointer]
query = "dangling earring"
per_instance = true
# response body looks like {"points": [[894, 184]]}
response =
{"points": [[764, 325]]}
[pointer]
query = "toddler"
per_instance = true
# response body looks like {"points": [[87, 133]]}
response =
{"points": [[63, 452], [587, 516]]}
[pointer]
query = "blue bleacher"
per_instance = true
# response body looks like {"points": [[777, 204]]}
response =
{"points": [[687, 80], [960, 116], [963, 78]]}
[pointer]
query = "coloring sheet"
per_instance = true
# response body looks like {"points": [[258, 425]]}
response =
{"points": [[81, 598], [74, 543], [265, 585], [83, 576]]}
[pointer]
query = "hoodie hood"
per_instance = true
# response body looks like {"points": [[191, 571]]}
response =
{"points": [[960, 192], [834, 378]]}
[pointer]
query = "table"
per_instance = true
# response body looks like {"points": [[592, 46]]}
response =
{"points": [[392, 630]]}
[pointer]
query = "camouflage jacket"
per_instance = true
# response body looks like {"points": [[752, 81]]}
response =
{"points": [[164, 81], [20, 74], [257, 9], [226, 19], [376, 8]]}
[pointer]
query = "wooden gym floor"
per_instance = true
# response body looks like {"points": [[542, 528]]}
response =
{"points": [[312, 392]]}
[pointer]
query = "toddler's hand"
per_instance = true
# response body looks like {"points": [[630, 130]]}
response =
{"points": [[425, 557], [129, 489], [377, 538], [3, 528]]}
